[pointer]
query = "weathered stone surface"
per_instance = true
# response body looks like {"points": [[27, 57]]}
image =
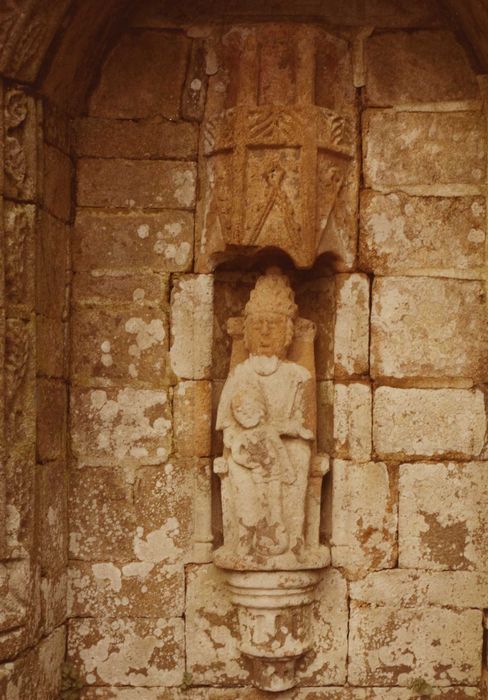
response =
{"points": [[424, 66], [51, 419], [351, 335], [423, 148], [134, 589], [19, 255], [392, 646], [192, 406], [191, 326], [195, 88], [145, 139], [119, 345], [142, 77], [163, 502], [403, 588], [152, 184], [150, 289], [20, 152], [54, 589], [51, 338], [363, 528], [316, 300], [321, 693], [428, 422], [122, 426], [325, 417], [352, 421], [53, 516], [133, 241], [52, 238], [212, 632], [428, 327], [56, 126], [443, 521], [102, 517], [58, 176], [129, 652], [400, 232]]}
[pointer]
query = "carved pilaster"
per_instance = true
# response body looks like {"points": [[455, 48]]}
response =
{"points": [[20, 138]]}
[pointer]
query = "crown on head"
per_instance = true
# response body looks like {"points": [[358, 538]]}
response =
{"points": [[272, 294]]}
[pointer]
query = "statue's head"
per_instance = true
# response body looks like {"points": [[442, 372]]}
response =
{"points": [[269, 316]]}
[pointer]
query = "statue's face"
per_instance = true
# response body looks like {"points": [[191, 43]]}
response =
{"points": [[268, 334]]}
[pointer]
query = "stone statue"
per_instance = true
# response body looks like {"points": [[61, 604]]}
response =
{"points": [[267, 417]]}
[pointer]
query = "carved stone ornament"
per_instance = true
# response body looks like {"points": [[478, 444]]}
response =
{"points": [[271, 479], [277, 155]]}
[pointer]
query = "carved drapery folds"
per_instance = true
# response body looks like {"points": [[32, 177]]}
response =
{"points": [[271, 481], [278, 151]]}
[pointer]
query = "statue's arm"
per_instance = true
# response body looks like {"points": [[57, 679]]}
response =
{"points": [[300, 422]]}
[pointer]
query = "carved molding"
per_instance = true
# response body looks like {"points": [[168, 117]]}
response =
{"points": [[20, 155]]}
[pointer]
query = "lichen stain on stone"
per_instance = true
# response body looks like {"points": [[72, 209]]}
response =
{"points": [[158, 545]]}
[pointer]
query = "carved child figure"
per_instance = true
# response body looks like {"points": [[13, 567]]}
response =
{"points": [[263, 413]]}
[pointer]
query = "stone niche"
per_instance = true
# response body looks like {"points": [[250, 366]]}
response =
{"points": [[278, 166], [278, 171]]}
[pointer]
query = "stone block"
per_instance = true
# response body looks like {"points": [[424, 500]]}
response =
{"points": [[388, 646], [134, 589], [316, 300], [387, 13], [53, 516], [56, 126], [144, 289], [150, 184], [195, 88], [52, 266], [142, 77], [159, 242], [102, 517], [320, 693], [119, 345], [145, 139], [212, 632], [325, 417], [121, 426], [352, 421], [400, 232], [423, 148], [405, 588], [428, 327], [19, 256], [54, 589], [191, 326], [164, 507], [192, 406], [364, 518], [58, 178], [127, 652], [443, 521], [428, 423], [51, 347], [52, 416], [351, 333], [423, 66]]}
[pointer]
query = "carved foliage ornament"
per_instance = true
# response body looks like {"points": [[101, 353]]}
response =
{"points": [[20, 144], [271, 481]]}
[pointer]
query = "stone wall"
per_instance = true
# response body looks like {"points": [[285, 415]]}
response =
{"points": [[104, 311]]}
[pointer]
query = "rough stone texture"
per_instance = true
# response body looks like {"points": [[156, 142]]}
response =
{"points": [[352, 421], [403, 588], [423, 148], [57, 183], [191, 323], [364, 517], [152, 138], [443, 521], [212, 632], [394, 646], [422, 327], [51, 347], [428, 422], [399, 232], [424, 66], [351, 335], [133, 241], [119, 345], [53, 488], [119, 289], [316, 300], [152, 184], [192, 406], [130, 426], [142, 77], [130, 652], [52, 266], [320, 693], [51, 419]]}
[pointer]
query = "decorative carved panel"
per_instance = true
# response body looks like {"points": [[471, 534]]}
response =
{"points": [[20, 155], [278, 148]]}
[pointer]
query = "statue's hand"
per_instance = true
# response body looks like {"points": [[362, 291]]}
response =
{"points": [[294, 428]]}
